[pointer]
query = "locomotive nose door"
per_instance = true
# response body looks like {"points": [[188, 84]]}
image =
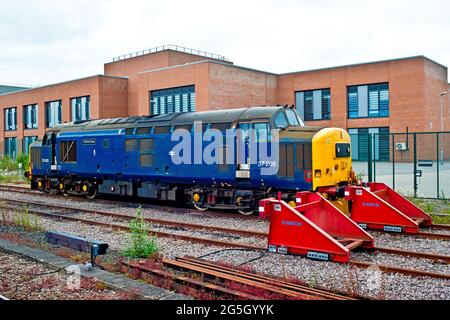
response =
{"points": [[242, 151], [53, 151]]}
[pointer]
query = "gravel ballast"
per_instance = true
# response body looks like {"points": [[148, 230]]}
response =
{"points": [[327, 275]]}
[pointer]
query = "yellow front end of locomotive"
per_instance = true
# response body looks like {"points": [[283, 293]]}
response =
{"points": [[331, 158]]}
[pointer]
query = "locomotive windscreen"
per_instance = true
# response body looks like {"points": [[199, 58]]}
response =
{"points": [[342, 150]]}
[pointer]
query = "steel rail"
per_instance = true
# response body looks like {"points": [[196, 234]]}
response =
{"points": [[236, 278], [221, 243], [262, 278], [406, 271], [161, 222], [435, 257], [423, 235], [177, 210], [415, 254], [126, 266]]}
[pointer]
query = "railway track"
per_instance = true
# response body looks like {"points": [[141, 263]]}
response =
{"points": [[239, 232], [176, 210], [215, 272], [229, 244], [3, 298], [17, 189]]}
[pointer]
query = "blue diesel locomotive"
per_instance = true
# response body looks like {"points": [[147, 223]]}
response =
{"points": [[133, 157]]}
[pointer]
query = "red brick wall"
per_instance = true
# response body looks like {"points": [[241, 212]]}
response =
{"points": [[112, 103], [131, 67], [231, 87], [189, 74], [409, 86]]}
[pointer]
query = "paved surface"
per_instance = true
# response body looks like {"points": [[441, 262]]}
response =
{"points": [[113, 280], [404, 177]]}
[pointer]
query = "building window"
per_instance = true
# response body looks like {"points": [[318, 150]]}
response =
{"points": [[11, 119], [360, 143], [30, 116], [172, 100], [27, 141], [53, 113], [368, 101], [314, 104], [11, 147], [81, 107]]}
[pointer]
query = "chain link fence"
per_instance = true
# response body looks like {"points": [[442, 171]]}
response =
{"points": [[415, 164]]}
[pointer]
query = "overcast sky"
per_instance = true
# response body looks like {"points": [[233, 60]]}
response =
{"points": [[47, 41]]}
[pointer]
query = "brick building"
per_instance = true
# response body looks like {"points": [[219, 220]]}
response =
{"points": [[376, 97]]}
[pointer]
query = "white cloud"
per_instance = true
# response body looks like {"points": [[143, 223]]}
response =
{"points": [[48, 41]]}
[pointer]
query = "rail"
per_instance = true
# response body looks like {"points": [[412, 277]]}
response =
{"points": [[170, 47]]}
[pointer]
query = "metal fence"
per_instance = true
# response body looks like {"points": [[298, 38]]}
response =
{"points": [[415, 164]]}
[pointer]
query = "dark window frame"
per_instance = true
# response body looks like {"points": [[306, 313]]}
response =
{"points": [[308, 112], [382, 112], [6, 114], [34, 116], [47, 113]]}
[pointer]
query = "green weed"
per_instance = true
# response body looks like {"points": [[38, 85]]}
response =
{"points": [[141, 244]]}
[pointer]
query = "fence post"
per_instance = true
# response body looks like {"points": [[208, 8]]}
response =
{"points": [[415, 164], [369, 158], [437, 162], [374, 158], [393, 161]]}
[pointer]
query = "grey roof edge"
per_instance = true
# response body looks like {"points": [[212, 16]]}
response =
{"points": [[366, 63], [173, 50], [64, 82], [207, 61], [295, 72]]}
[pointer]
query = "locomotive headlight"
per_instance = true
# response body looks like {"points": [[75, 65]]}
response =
{"points": [[196, 197], [318, 173]]}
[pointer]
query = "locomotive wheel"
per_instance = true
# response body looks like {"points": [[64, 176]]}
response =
{"points": [[92, 193], [198, 201], [199, 207], [245, 212]]}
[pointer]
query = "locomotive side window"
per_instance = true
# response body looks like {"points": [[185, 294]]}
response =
{"points": [[262, 131], [68, 151], [146, 145], [165, 129], [143, 130], [292, 117], [129, 131], [130, 145], [280, 121]]}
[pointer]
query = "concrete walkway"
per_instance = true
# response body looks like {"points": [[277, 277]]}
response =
{"points": [[112, 280]]}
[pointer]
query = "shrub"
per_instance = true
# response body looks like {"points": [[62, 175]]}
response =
{"points": [[141, 244], [24, 160], [8, 164]]}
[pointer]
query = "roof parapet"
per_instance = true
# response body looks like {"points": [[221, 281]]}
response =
{"points": [[171, 47]]}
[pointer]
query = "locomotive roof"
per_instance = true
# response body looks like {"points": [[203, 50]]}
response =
{"points": [[215, 116]]}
